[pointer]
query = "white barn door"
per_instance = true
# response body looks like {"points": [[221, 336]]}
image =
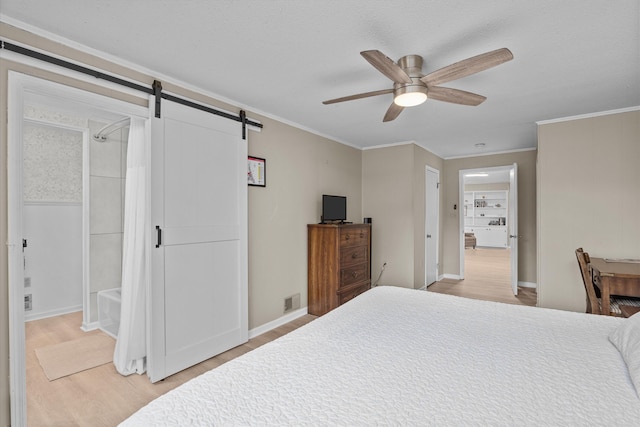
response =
{"points": [[198, 239]]}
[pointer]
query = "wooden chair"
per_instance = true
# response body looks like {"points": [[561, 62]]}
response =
{"points": [[593, 302], [593, 297]]}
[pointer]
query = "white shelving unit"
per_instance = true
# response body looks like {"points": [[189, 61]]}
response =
{"points": [[485, 215]]}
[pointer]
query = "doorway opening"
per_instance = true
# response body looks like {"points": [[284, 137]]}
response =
{"points": [[72, 222], [51, 208], [488, 223]]}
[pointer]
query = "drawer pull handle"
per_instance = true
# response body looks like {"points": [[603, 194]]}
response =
{"points": [[354, 255], [362, 235], [347, 237], [354, 274]]}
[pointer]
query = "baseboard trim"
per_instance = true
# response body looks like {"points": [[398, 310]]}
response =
{"points": [[528, 284], [277, 323], [450, 276], [28, 317], [90, 326]]}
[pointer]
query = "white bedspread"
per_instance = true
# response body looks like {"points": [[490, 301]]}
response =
{"points": [[395, 356]]}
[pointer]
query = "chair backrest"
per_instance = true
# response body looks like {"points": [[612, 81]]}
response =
{"points": [[593, 306]]}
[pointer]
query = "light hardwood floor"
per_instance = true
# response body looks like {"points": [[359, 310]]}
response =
{"points": [[101, 397], [487, 277]]}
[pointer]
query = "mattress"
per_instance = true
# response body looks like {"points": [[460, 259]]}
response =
{"points": [[395, 356]]}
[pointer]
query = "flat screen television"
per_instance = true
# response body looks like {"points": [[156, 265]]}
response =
{"points": [[334, 208]]}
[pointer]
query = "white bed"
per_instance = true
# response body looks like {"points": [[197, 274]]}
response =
{"points": [[395, 356]]}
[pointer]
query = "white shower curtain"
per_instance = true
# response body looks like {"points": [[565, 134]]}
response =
{"points": [[131, 346]]}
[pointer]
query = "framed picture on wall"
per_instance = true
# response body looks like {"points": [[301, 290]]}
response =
{"points": [[256, 171]]}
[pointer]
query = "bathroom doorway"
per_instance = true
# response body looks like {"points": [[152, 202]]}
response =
{"points": [[56, 122], [73, 193]]}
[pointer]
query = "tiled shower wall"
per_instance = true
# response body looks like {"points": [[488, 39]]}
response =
{"points": [[108, 163]]}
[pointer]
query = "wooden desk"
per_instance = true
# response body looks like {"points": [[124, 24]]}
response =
{"points": [[628, 311], [615, 278]]}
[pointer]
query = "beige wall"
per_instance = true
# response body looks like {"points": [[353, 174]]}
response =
{"points": [[300, 168], [387, 177], [526, 161], [589, 197], [393, 193]]}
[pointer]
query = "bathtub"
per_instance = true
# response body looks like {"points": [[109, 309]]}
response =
{"points": [[109, 311]]}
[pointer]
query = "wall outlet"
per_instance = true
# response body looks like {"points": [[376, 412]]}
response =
{"points": [[292, 303], [28, 299]]}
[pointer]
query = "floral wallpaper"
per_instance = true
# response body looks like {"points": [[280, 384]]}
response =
{"points": [[52, 164], [44, 114]]}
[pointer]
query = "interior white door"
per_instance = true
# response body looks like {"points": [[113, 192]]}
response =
{"points": [[513, 225], [198, 239], [432, 199]]}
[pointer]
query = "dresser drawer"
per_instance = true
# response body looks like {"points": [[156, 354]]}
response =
{"points": [[338, 264], [354, 236], [352, 293], [353, 255], [354, 274]]}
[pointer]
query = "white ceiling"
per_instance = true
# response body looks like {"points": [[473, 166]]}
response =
{"points": [[283, 58], [493, 176]]}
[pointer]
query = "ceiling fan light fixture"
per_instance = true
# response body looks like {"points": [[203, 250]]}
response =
{"points": [[409, 99], [411, 87]]}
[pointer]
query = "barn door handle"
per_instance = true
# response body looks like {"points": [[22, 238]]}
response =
{"points": [[159, 231]]}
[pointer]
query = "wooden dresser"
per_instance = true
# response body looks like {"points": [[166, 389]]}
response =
{"points": [[338, 264]]}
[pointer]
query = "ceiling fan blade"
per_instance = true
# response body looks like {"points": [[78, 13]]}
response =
{"points": [[468, 66], [358, 96], [386, 66], [393, 112], [454, 96]]}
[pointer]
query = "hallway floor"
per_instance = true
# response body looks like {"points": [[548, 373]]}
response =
{"points": [[487, 277]]}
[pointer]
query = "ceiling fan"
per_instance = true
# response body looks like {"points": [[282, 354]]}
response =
{"points": [[411, 87]]}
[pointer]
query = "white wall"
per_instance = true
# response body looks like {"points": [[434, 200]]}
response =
{"points": [[53, 258], [588, 196], [52, 191]]}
